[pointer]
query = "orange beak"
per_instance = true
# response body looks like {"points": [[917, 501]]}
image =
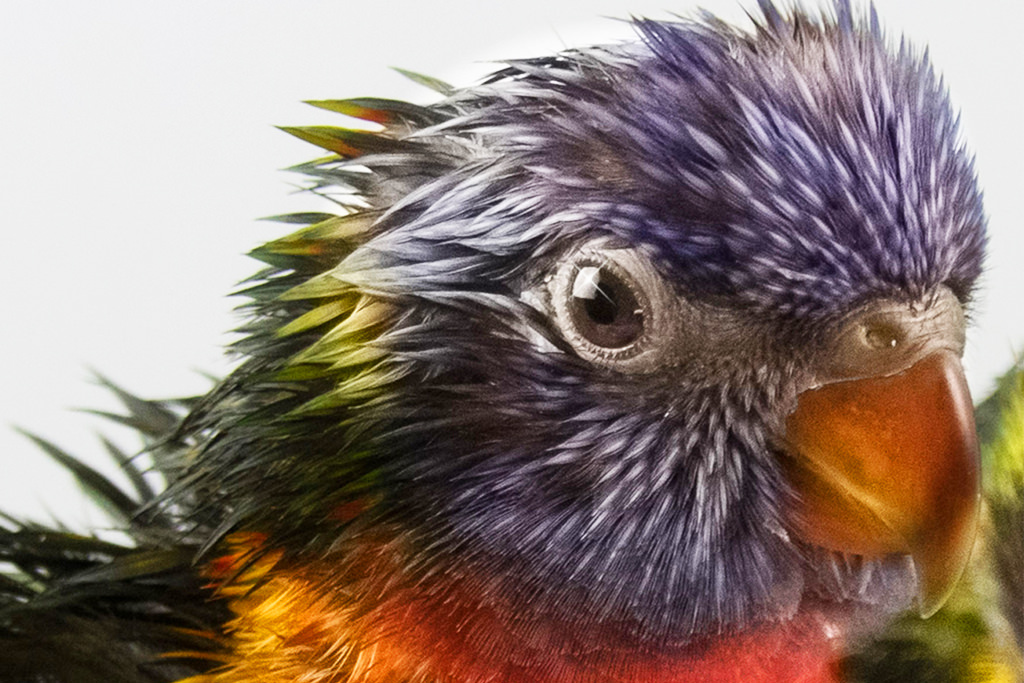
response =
{"points": [[890, 465]]}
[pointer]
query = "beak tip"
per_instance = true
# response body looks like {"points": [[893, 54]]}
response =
{"points": [[931, 596], [928, 604], [941, 569]]}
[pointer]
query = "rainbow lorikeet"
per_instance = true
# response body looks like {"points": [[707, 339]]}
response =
{"points": [[637, 363]]}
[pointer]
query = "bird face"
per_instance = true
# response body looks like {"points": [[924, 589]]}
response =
{"points": [[659, 340], [703, 308]]}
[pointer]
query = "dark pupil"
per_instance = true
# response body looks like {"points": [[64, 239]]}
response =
{"points": [[604, 309]]}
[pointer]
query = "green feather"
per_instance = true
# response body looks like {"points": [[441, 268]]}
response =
{"points": [[382, 111], [435, 84], [346, 142]]}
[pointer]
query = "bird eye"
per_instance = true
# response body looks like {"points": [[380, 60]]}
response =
{"points": [[612, 306], [604, 309]]}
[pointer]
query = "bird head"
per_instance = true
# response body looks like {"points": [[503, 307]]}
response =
{"points": [[659, 339]]}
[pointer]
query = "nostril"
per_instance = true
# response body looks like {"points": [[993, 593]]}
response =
{"points": [[881, 336]]}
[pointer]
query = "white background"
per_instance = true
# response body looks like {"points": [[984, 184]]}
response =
{"points": [[137, 148]]}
